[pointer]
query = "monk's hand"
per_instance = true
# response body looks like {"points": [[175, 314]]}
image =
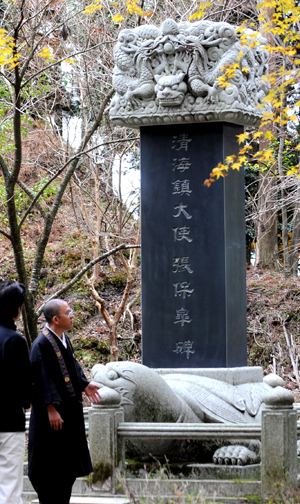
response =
{"points": [[55, 419], [92, 392]]}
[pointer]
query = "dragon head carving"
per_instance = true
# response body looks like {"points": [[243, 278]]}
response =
{"points": [[170, 90]]}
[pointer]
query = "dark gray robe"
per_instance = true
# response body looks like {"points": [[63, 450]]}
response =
{"points": [[50, 452]]}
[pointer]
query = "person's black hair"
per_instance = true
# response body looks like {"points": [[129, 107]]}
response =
{"points": [[12, 296], [52, 309]]}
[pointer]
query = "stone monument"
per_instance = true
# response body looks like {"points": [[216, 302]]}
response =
{"points": [[193, 238]]}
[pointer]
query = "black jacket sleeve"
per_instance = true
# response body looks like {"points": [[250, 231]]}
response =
{"points": [[18, 368]]}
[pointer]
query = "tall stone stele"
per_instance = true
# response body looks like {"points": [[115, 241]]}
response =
{"points": [[193, 237]]}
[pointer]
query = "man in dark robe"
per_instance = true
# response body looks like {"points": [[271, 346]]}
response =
{"points": [[58, 451]]}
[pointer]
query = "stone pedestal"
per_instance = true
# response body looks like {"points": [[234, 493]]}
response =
{"points": [[279, 441], [107, 452], [193, 249]]}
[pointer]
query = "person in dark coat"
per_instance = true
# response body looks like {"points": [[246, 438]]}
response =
{"points": [[57, 451], [15, 392]]}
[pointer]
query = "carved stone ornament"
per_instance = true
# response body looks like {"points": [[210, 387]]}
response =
{"points": [[168, 75]]}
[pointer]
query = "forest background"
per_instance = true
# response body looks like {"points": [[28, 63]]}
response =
{"points": [[65, 231]]}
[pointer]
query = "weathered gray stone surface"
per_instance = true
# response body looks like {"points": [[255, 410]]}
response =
{"points": [[180, 397], [105, 448], [234, 376], [168, 75], [147, 396], [279, 440], [274, 380]]}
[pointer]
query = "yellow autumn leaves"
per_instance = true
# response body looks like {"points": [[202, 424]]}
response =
{"points": [[8, 56], [262, 157], [131, 7], [234, 162], [281, 19], [202, 9], [90, 9]]}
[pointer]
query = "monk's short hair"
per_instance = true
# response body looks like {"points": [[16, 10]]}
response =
{"points": [[52, 309], [12, 296]]}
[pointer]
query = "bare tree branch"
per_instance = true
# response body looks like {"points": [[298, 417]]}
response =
{"points": [[82, 272]]}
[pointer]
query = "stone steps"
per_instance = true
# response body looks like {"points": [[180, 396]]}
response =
{"points": [[226, 491], [94, 500], [80, 486], [164, 499], [180, 488]]}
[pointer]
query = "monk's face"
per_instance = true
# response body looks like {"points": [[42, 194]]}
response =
{"points": [[65, 317]]}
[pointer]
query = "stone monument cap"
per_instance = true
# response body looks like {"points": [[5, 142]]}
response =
{"points": [[171, 75]]}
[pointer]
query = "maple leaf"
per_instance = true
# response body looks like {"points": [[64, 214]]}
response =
{"points": [[117, 18], [46, 53], [236, 166], [268, 135], [230, 159], [70, 60], [292, 171], [90, 9], [244, 149], [242, 137], [133, 7], [217, 172], [267, 155]]}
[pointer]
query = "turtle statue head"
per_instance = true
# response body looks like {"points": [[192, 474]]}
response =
{"points": [[144, 394]]}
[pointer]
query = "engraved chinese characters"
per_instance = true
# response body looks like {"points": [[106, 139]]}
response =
{"points": [[169, 75], [181, 264], [193, 249]]}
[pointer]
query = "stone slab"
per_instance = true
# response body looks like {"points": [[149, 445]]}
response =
{"points": [[193, 249], [234, 376]]}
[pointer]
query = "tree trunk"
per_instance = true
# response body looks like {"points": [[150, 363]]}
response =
{"points": [[266, 226], [266, 247], [294, 255], [284, 214]]}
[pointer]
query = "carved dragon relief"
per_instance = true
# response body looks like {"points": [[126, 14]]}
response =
{"points": [[169, 75]]}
